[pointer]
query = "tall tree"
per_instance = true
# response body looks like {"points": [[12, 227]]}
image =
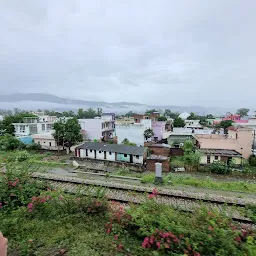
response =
{"points": [[171, 114], [80, 113], [178, 122], [162, 118], [225, 124], [148, 133], [193, 116], [209, 116], [67, 133], [150, 111], [243, 111]]}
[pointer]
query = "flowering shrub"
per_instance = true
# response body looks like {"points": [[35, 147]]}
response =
{"points": [[56, 202], [168, 231], [17, 187]]}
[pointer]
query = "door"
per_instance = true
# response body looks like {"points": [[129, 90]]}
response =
{"points": [[105, 155], [131, 159], [95, 154], [229, 160]]}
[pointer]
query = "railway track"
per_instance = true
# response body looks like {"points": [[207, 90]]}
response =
{"points": [[136, 194]]}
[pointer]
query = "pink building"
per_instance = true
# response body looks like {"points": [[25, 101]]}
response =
{"points": [[238, 139], [159, 128], [235, 118]]}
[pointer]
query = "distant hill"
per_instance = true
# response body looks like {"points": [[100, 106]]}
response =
{"points": [[33, 101]]}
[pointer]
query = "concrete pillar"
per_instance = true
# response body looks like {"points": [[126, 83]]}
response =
{"points": [[158, 174]]}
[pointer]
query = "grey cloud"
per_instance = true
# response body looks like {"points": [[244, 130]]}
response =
{"points": [[159, 52]]}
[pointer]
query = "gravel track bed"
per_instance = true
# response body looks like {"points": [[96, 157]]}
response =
{"points": [[148, 189]]}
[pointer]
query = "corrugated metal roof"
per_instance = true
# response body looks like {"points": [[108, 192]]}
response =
{"points": [[118, 148], [220, 152]]}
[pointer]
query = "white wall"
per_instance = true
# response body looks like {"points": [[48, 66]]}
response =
{"points": [[45, 143], [93, 128], [111, 157], [99, 156], [39, 127], [19, 133], [137, 161]]}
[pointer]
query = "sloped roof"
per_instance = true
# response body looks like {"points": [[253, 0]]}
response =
{"points": [[220, 152], [118, 148]]}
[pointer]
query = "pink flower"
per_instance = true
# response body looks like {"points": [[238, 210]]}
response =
{"points": [[0, 205], [30, 205], [116, 237], [34, 198], [61, 198], [43, 200], [158, 244], [155, 192], [29, 210], [210, 228], [145, 243], [151, 239], [151, 196], [238, 239], [14, 183], [119, 247]]}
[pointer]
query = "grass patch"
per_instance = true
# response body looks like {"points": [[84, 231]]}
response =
{"points": [[184, 179], [78, 234]]}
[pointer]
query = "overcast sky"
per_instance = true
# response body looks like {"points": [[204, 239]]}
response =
{"points": [[175, 52]]}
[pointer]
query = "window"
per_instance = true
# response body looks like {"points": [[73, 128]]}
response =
{"points": [[216, 158], [125, 155], [208, 159], [38, 142], [22, 128], [90, 150], [49, 126], [110, 153], [137, 157], [50, 144], [43, 127], [100, 152]]}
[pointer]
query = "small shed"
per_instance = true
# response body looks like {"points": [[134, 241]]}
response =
{"points": [[224, 155], [153, 159]]}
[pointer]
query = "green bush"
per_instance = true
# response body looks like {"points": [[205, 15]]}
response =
{"points": [[252, 160], [219, 168], [34, 146], [9, 142], [22, 156]]}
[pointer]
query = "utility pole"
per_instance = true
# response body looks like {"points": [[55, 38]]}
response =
{"points": [[253, 144], [58, 145]]}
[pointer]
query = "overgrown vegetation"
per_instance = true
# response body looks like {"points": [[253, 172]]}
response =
{"points": [[50, 222], [207, 182], [128, 143]]}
